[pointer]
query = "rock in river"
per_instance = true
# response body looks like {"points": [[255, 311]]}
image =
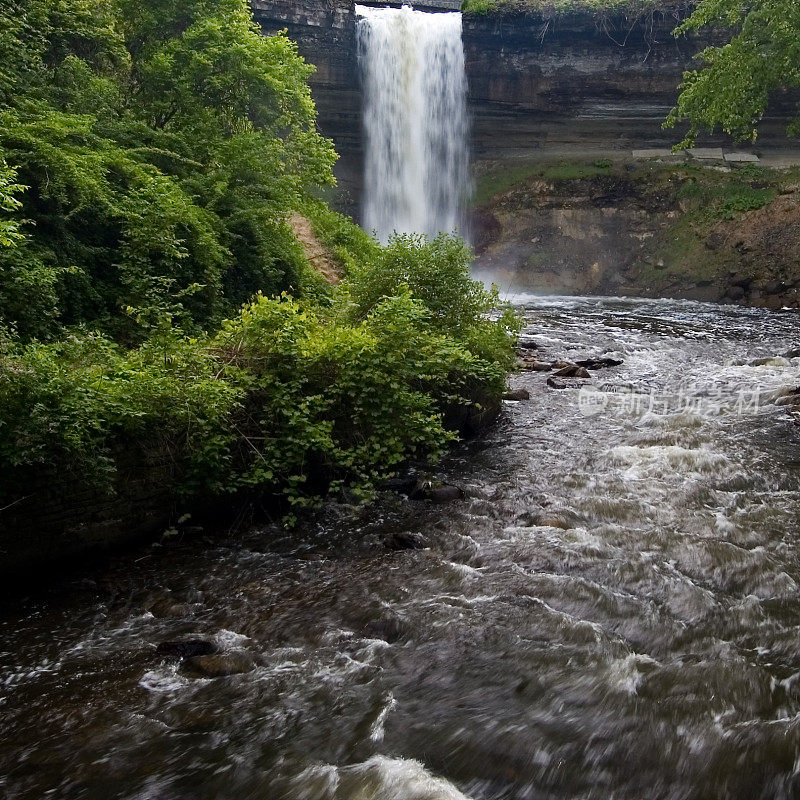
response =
{"points": [[220, 665], [517, 394], [537, 366], [599, 363], [187, 648], [572, 371]]}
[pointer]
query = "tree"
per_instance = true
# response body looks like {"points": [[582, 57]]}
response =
{"points": [[733, 89], [162, 145]]}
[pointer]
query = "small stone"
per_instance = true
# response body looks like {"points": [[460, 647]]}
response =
{"points": [[218, 666], [187, 648], [793, 353], [572, 371], [561, 364], [527, 344], [517, 394]]}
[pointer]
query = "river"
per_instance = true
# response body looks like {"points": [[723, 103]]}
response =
{"points": [[611, 612]]}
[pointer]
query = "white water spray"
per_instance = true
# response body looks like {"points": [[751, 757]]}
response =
{"points": [[416, 165]]}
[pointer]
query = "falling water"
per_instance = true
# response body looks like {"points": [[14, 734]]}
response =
{"points": [[415, 120]]}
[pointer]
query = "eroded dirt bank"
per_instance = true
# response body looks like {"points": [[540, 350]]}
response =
{"points": [[679, 230]]}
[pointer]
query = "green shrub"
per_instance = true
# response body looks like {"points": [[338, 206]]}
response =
{"points": [[290, 398], [71, 404]]}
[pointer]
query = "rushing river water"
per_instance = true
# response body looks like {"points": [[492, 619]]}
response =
{"points": [[648, 647]]}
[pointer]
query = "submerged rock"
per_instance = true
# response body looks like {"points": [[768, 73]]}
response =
{"points": [[572, 371], [790, 398], [405, 541], [793, 353], [517, 394], [220, 665], [599, 363], [551, 518], [390, 629], [436, 492], [187, 648], [164, 605]]}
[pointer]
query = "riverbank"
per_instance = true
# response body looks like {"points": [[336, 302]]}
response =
{"points": [[290, 401], [656, 228]]}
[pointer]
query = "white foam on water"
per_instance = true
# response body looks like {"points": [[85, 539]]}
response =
{"points": [[377, 729], [167, 679], [667, 457], [379, 778]]}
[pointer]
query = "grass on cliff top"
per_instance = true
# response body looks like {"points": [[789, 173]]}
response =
{"points": [[562, 6], [497, 181]]}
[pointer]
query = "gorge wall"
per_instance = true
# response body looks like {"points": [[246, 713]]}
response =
{"points": [[539, 84]]}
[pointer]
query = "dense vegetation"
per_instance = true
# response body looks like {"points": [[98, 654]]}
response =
{"points": [[568, 6], [150, 154], [733, 88]]}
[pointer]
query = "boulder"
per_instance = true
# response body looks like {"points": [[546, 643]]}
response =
{"points": [[187, 648], [220, 665], [517, 394]]}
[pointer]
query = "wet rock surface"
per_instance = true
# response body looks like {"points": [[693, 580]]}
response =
{"points": [[186, 648], [220, 665]]}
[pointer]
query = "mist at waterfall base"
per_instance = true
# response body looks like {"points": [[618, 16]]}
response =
{"points": [[416, 174]]}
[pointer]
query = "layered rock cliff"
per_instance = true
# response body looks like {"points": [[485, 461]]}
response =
{"points": [[538, 83]]}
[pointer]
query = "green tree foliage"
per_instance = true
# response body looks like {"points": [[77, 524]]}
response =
{"points": [[162, 145], [289, 398], [733, 89], [152, 293]]}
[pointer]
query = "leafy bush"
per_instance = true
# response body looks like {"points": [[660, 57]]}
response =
{"points": [[72, 404], [162, 148], [289, 397]]}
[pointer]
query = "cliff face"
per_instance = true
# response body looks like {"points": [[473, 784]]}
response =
{"points": [[578, 83], [325, 32]]}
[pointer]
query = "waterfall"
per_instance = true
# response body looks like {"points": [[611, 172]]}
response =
{"points": [[415, 121]]}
